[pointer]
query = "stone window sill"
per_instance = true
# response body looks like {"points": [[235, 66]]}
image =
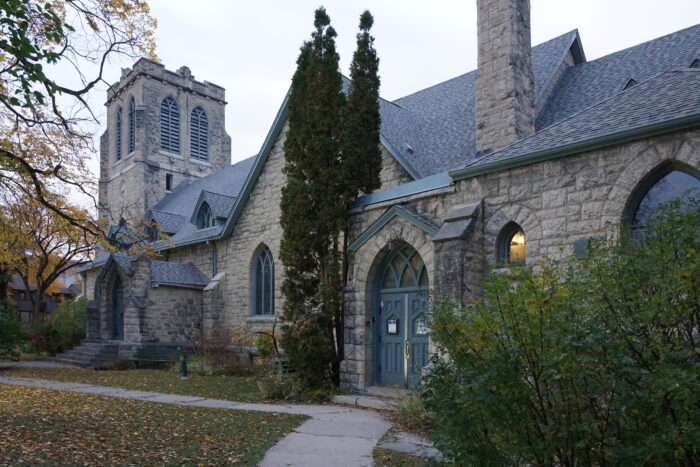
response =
{"points": [[266, 318], [169, 154]]}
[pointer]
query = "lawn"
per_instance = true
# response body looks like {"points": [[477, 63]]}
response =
{"points": [[233, 388], [52, 427], [389, 458]]}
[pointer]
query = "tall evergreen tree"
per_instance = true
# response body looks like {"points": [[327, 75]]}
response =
{"points": [[331, 156], [362, 158], [313, 211], [361, 155]]}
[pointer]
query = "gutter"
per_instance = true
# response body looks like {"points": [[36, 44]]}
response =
{"points": [[655, 129]]}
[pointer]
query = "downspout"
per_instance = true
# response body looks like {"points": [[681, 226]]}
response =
{"points": [[214, 265]]}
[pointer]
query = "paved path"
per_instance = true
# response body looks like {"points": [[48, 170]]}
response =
{"points": [[337, 436]]}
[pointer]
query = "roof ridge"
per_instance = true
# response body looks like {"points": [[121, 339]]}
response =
{"points": [[648, 41], [636, 87], [573, 31]]}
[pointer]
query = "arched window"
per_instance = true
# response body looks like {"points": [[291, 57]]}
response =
{"points": [[199, 134], [263, 275], [118, 135], [511, 245], [170, 125], [131, 118], [204, 217], [405, 269], [672, 184]]}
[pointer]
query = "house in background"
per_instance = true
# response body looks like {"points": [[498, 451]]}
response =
{"points": [[67, 287]]}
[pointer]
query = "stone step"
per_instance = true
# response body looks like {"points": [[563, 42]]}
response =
{"points": [[385, 391], [367, 402]]}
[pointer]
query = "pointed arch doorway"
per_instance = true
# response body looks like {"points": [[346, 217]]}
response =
{"points": [[118, 310], [401, 340]]}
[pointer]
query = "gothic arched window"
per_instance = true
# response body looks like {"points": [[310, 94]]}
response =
{"points": [[205, 218], [199, 134], [118, 135], [263, 276], [511, 245], [131, 120], [673, 184], [170, 125]]}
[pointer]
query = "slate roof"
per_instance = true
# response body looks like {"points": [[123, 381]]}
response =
{"points": [[124, 262], [588, 83], [439, 122], [669, 96], [169, 223], [220, 205], [175, 211], [177, 274]]}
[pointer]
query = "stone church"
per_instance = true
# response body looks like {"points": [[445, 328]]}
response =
{"points": [[529, 155]]}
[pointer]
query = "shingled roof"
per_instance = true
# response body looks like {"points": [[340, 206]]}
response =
{"points": [[668, 97], [439, 122], [588, 83], [177, 275], [174, 213]]}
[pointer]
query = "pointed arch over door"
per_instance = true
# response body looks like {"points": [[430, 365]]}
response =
{"points": [[401, 342]]}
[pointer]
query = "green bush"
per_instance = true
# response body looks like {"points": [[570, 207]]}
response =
{"points": [[590, 361], [64, 329], [411, 414], [294, 389], [11, 333]]}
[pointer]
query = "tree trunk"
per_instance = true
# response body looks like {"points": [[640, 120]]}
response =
{"points": [[35, 298]]}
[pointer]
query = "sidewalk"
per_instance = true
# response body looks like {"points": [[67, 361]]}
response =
{"points": [[338, 436]]}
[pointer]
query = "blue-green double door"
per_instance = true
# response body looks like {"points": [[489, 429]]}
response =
{"points": [[118, 310], [402, 336]]}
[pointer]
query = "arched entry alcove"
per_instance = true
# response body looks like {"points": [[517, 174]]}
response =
{"points": [[401, 340], [117, 309]]}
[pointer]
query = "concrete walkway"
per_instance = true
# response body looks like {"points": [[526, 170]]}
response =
{"points": [[337, 436]]}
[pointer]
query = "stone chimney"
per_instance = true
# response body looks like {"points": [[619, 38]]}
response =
{"points": [[505, 110]]}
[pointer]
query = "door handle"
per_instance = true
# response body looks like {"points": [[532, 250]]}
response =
{"points": [[407, 351]]}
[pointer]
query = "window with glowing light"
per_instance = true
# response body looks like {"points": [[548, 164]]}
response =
{"points": [[512, 245]]}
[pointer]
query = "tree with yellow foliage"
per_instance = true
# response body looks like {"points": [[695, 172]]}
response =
{"points": [[52, 54], [39, 245]]}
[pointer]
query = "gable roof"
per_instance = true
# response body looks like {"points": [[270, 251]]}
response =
{"points": [[177, 275], [175, 211], [395, 211], [666, 102], [588, 83], [439, 122]]}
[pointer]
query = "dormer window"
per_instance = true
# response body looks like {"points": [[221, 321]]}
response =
{"points": [[695, 64], [205, 218]]}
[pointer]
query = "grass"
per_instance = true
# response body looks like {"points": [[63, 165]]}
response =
{"points": [[233, 388], [389, 458], [41, 426]]}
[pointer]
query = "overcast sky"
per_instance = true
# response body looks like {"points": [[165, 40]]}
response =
{"points": [[250, 47]]}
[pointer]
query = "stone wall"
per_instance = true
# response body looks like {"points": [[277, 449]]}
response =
{"points": [[161, 314], [131, 186], [392, 173], [555, 202], [258, 225]]}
